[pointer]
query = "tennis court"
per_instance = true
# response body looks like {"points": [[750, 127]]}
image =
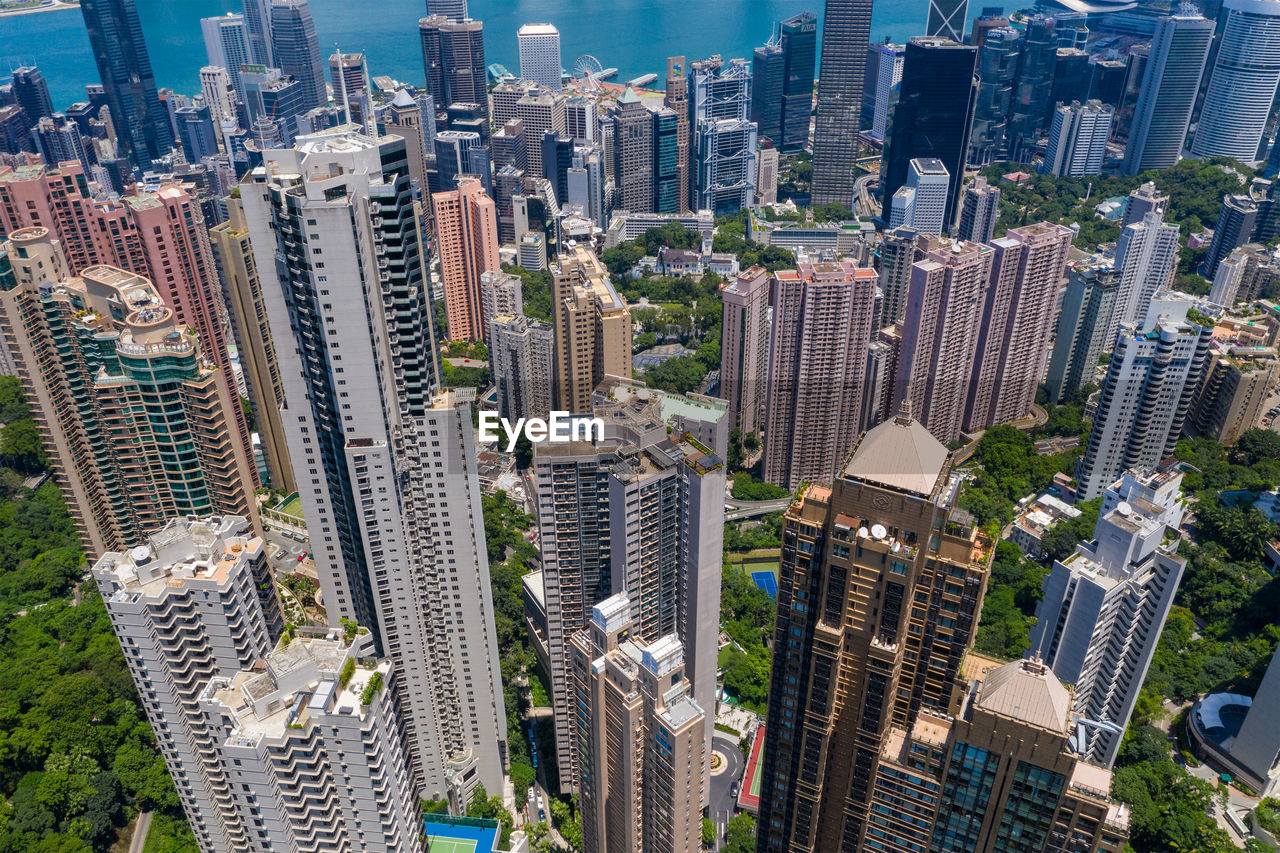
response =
{"points": [[767, 581], [447, 834], [749, 796]]}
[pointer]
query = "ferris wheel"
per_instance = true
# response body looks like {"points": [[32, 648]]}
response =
{"points": [[587, 69]]}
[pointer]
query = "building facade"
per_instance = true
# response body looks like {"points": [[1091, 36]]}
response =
{"points": [[744, 347], [846, 32], [592, 328], [466, 223], [1170, 83], [539, 48]]}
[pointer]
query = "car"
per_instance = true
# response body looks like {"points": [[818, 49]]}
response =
{"points": [[541, 804], [542, 816], [733, 792], [303, 557]]}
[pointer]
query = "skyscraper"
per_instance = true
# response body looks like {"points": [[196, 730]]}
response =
{"points": [[940, 332], [1017, 319], [878, 599], [632, 156], [385, 559], [296, 50], [31, 92], [1257, 747], [1105, 606], [257, 20], [676, 99], [799, 43], [947, 19], [467, 243], [846, 30], [1242, 84], [1151, 381], [540, 55], [921, 203], [58, 140], [1237, 382], [897, 252], [933, 115], [91, 349], [997, 73], [346, 72], [1145, 199], [540, 111], [1078, 139], [1170, 81], [1008, 755], [1081, 335], [453, 10], [767, 68], [822, 323], [226, 43], [744, 345], [592, 328], [723, 135], [888, 77], [153, 587], [979, 212], [666, 153], [641, 744], [142, 127], [1031, 105], [254, 344], [1146, 259], [453, 57], [640, 512]]}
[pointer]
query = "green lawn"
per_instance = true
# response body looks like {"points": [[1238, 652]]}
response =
{"points": [[293, 508]]}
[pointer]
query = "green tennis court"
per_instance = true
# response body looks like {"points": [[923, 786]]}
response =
{"points": [[451, 845]]}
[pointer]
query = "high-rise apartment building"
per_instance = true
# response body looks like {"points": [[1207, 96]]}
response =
{"points": [[393, 526], [1008, 756], [91, 349], [58, 140], [1235, 227], [453, 10], [500, 293], [1017, 317], [640, 511], [142, 128], [1146, 260], [823, 316], [676, 99], [1145, 199], [888, 76], [979, 212], [1078, 139], [586, 180], [592, 328], [1105, 606], [632, 156], [940, 333], [326, 704], [539, 46], [1170, 83], [453, 57], [254, 344], [744, 347], [192, 601], [723, 137], [846, 31], [1081, 335], [878, 600], [934, 114], [522, 352], [1146, 396], [893, 262], [1236, 384], [467, 243], [640, 732], [541, 111], [1242, 84], [921, 203]]}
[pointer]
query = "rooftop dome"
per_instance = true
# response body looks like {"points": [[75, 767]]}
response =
{"points": [[1026, 690], [901, 454]]}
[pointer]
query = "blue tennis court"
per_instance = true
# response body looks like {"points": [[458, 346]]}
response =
{"points": [[445, 834], [767, 581]]}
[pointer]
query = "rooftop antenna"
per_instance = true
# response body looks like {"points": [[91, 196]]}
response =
{"points": [[342, 79]]}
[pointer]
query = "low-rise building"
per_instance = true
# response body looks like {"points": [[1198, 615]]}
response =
{"points": [[1036, 520]]}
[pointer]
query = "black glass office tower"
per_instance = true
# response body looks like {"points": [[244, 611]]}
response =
{"points": [[799, 42], [142, 126], [297, 50], [846, 31], [934, 112]]}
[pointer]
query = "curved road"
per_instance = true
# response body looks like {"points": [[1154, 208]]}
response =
{"points": [[720, 800], [736, 509]]}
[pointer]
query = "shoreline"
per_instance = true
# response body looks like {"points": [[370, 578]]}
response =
{"points": [[54, 7]]}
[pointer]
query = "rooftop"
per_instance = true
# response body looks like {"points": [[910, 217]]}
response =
{"points": [[901, 454], [1028, 691]]}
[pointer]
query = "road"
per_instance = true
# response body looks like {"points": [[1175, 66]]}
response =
{"points": [[863, 199], [140, 832], [283, 552], [721, 801], [750, 509]]}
